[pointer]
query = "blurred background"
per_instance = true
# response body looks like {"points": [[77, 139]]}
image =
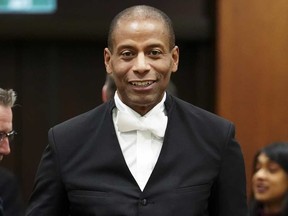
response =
{"points": [[233, 62]]}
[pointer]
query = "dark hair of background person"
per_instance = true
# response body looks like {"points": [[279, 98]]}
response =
{"points": [[277, 152]]}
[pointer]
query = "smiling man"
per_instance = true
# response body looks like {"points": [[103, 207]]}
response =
{"points": [[144, 152]]}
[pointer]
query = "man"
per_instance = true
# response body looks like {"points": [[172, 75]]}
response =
{"points": [[7, 100], [10, 201], [145, 152]]}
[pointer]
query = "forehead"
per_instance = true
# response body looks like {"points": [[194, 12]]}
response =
{"points": [[5, 118], [5, 111], [264, 159], [140, 29]]}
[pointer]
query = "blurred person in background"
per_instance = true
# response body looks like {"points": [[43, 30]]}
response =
{"points": [[10, 198], [7, 100], [270, 181], [108, 89]]}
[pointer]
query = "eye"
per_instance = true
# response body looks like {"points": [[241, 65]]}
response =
{"points": [[155, 53], [273, 167], [127, 54]]}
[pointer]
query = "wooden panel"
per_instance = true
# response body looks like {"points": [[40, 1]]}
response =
{"points": [[253, 71]]}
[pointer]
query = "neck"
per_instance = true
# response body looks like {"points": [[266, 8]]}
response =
{"points": [[141, 108]]}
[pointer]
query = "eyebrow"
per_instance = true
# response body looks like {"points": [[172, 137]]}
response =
{"points": [[128, 45]]}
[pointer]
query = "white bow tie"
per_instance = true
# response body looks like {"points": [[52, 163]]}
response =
{"points": [[155, 123]]}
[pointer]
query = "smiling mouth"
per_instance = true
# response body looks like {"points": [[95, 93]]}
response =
{"points": [[261, 188], [142, 83]]}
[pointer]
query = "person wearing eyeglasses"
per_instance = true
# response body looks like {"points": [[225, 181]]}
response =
{"points": [[10, 196], [7, 100]]}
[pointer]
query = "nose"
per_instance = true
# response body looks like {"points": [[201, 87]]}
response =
{"points": [[141, 64], [5, 147], [260, 174]]}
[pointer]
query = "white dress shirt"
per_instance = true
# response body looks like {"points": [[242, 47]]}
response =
{"points": [[140, 147]]}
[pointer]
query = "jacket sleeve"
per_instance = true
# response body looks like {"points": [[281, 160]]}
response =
{"points": [[228, 196], [49, 195]]}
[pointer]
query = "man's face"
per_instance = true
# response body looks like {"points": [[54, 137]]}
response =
{"points": [[5, 126], [270, 181], [141, 62]]}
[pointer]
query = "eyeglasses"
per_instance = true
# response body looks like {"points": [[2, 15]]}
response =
{"points": [[10, 135]]}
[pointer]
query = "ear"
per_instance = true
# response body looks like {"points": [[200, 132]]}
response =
{"points": [[175, 57], [107, 60]]}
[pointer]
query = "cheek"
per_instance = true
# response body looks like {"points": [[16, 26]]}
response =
{"points": [[119, 66], [279, 187], [253, 180], [162, 65], [168, 66]]}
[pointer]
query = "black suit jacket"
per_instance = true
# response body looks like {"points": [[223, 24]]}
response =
{"points": [[1, 207], [199, 172], [10, 194]]}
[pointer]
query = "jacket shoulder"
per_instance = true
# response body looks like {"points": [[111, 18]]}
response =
{"points": [[83, 121], [195, 113]]}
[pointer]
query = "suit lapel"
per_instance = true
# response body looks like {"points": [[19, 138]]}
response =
{"points": [[162, 165], [115, 146]]}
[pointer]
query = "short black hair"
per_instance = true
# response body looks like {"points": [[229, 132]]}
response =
{"points": [[142, 12]]}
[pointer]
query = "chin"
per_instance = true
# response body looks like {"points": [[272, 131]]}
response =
{"points": [[143, 99], [262, 199]]}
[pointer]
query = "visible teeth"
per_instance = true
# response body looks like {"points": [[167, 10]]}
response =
{"points": [[145, 83]]}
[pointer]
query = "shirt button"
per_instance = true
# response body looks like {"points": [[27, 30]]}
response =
{"points": [[143, 202]]}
